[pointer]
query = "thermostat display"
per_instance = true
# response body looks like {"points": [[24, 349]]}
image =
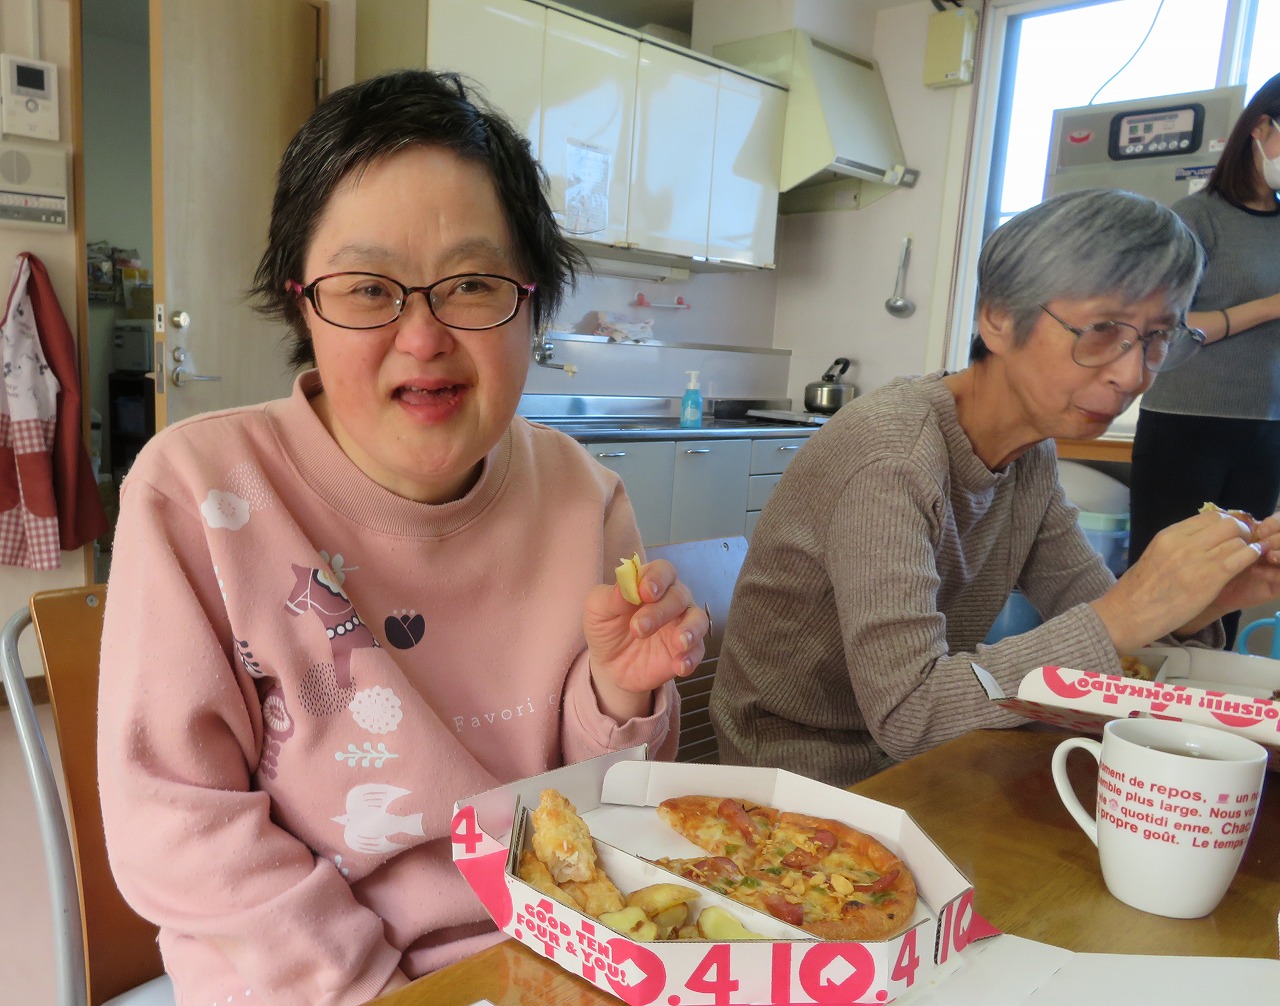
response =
{"points": [[29, 92]]}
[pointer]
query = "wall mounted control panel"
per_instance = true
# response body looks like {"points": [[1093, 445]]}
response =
{"points": [[29, 92], [34, 186]]}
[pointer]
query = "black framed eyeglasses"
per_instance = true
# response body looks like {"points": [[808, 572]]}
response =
{"points": [[1105, 342], [471, 301]]}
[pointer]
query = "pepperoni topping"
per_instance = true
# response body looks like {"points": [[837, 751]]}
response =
{"points": [[883, 884], [780, 908], [733, 814], [715, 868]]}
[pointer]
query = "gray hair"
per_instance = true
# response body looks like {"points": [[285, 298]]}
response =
{"points": [[1084, 244]]}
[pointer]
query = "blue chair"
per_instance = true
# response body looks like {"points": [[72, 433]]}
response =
{"points": [[1016, 617]]}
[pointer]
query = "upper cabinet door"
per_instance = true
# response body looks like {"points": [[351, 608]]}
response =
{"points": [[672, 151], [498, 43], [745, 170], [588, 101]]}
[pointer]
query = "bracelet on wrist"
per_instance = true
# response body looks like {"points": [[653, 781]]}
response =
{"points": [[1226, 320]]}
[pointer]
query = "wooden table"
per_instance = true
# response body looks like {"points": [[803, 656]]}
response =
{"points": [[988, 800]]}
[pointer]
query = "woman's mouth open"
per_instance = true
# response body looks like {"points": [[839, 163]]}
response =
{"points": [[431, 402]]}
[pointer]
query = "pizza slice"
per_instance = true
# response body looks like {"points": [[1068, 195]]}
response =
{"points": [[814, 873], [853, 886], [721, 826]]}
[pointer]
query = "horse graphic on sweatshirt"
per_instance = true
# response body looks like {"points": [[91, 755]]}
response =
{"points": [[318, 593]]}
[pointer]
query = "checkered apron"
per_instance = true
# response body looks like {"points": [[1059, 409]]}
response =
{"points": [[28, 418]]}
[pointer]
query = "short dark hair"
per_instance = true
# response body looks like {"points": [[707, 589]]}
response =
{"points": [[374, 119], [1083, 244], [1235, 176]]}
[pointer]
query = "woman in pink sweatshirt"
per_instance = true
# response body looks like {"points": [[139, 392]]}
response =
{"points": [[333, 615]]}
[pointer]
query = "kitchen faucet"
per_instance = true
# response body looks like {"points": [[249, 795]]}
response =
{"points": [[542, 353]]}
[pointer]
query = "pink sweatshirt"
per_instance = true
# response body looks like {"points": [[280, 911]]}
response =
{"points": [[301, 672]]}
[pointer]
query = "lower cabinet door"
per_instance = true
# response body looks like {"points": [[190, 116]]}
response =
{"points": [[709, 497], [646, 470]]}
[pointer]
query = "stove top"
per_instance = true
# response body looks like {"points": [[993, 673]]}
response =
{"points": [[785, 416]]}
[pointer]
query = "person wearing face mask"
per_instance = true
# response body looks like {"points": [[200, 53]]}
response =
{"points": [[1211, 430]]}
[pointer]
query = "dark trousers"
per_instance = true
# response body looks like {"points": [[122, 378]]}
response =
{"points": [[1182, 462]]}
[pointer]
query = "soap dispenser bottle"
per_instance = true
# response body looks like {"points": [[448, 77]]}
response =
{"points": [[691, 404]]}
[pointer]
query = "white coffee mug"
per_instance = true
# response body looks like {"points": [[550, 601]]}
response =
{"points": [[1176, 803]]}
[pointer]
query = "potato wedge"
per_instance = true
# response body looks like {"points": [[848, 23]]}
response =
{"points": [[689, 931], [631, 922], [657, 898], [714, 923], [671, 919], [628, 577]]}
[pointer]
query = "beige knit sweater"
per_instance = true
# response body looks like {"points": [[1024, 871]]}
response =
{"points": [[876, 570]]}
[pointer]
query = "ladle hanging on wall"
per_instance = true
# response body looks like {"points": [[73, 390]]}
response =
{"points": [[898, 305]]}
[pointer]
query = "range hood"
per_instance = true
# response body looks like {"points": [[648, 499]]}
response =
{"points": [[838, 122]]}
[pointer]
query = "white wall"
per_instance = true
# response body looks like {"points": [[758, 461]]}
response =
{"points": [[58, 251]]}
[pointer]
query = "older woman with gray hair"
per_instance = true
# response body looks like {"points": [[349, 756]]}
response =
{"points": [[894, 538]]}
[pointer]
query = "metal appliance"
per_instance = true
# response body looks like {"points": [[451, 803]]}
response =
{"points": [[1163, 147], [131, 345]]}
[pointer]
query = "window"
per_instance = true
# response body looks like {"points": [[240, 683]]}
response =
{"points": [[1050, 54]]}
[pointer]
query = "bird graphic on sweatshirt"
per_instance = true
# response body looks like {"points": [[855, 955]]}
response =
{"points": [[368, 824]]}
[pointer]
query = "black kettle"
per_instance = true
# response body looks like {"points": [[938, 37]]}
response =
{"points": [[829, 393]]}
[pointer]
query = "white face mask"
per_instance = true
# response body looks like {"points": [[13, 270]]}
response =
{"points": [[1270, 165]]}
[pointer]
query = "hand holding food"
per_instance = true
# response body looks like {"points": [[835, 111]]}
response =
{"points": [[641, 635], [628, 576], [1183, 581]]}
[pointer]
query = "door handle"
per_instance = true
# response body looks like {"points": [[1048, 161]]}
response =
{"points": [[698, 450], [182, 377], [613, 454]]}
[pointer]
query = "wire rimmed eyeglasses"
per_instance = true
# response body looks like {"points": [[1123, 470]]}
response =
{"points": [[471, 301], [1105, 342]]}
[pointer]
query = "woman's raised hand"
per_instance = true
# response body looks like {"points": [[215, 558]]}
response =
{"points": [[637, 648], [1192, 573]]}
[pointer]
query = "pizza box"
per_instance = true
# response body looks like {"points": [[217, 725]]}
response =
{"points": [[616, 795], [1231, 691]]}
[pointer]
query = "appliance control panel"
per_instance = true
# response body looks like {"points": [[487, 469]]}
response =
{"points": [[29, 92]]}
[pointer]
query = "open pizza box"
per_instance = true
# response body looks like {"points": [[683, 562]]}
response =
{"points": [[616, 795], [1231, 691]]}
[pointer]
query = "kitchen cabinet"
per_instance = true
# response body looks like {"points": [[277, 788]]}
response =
{"points": [[498, 43], [745, 165], [709, 489], [588, 102], [671, 154], [645, 146], [647, 471], [769, 459]]}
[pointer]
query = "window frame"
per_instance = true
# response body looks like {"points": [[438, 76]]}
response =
{"points": [[989, 118]]}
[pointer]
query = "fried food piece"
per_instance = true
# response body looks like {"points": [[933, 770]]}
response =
{"points": [[631, 922], [535, 873], [561, 839], [657, 898], [714, 923], [1247, 519], [1132, 667], [564, 846], [596, 896], [628, 576]]}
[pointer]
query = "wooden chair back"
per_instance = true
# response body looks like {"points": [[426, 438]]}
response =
{"points": [[120, 946], [710, 568]]}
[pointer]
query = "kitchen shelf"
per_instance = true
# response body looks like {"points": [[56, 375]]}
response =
{"points": [[642, 301]]}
